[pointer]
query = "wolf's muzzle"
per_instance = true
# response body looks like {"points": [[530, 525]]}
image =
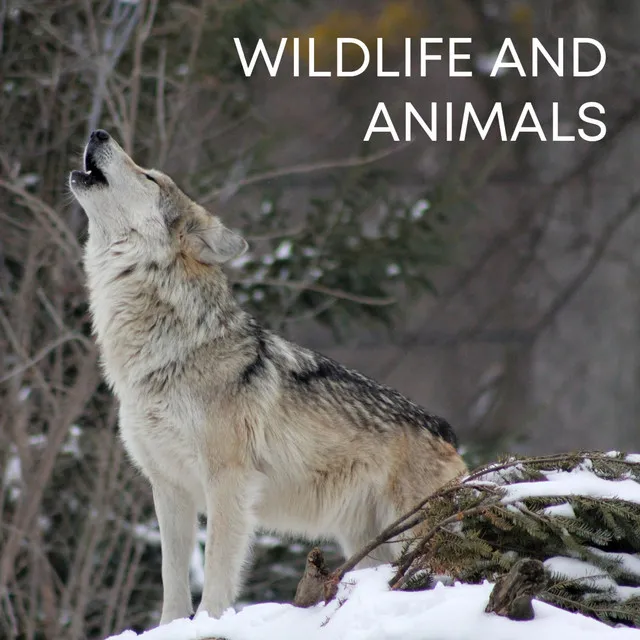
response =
{"points": [[93, 154]]}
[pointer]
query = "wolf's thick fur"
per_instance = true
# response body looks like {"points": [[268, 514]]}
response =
{"points": [[223, 416]]}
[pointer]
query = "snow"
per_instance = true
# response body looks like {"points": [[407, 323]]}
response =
{"points": [[196, 568], [38, 440], [28, 180], [268, 541], [628, 563], [23, 394], [578, 482], [283, 252], [575, 569], [497, 474], [241, 261], [13, 470], [419, 208], [485, 63], [314, 274], [595, 577], [147, 532], [72, 444], [12, 479], [564, 510], [365, 609], [625, 593]]}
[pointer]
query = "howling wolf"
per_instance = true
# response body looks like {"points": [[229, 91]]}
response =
{"points": [[223, 416]]}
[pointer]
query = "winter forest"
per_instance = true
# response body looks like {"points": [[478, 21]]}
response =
{"points": [[461, 230]]}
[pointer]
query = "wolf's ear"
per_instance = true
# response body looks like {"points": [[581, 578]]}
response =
{"points": [[217, 244]]}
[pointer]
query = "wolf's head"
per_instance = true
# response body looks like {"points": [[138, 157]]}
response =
{"points": [[145, 208]]}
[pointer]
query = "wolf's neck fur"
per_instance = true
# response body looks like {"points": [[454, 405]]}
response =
{"points": [[147, 315]]}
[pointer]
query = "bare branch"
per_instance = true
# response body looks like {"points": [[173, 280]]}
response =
{"points": [[325, 165], [599, 248], [335, 293]]}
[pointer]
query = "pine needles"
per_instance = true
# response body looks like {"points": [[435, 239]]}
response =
{"points": [[578, 513]]}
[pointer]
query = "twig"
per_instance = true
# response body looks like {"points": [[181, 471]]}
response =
{"points": [[547, 197], [141, 38], [480, 506], [42, 353], [336, 293], [312, 167], [180, 100], [66, 237], [599, 248], [161, 117], [405, 522]]}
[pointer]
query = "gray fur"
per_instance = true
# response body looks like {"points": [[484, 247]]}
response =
{"points": [[223, 416]]}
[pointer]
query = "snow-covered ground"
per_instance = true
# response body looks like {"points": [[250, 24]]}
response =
{"points": [[366, 609]]}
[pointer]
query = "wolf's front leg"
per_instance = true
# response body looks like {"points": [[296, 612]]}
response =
{"points": [[230, 525], [177, 518]]}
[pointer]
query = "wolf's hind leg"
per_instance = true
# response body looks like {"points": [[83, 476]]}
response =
{"points": [[362, 531]]}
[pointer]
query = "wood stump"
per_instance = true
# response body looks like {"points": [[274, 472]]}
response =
{"points": [[512, 594]]}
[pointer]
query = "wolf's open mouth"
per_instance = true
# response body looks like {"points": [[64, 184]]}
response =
{"points": [[92, 174]]}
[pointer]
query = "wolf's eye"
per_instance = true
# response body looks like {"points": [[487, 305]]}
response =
{"points": [[148, 177]]}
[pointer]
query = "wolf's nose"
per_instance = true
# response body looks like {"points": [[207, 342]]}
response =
{"points": [[99, 135]]}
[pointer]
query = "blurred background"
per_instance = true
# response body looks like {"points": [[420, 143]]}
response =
{"points": [[495, 283]]}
